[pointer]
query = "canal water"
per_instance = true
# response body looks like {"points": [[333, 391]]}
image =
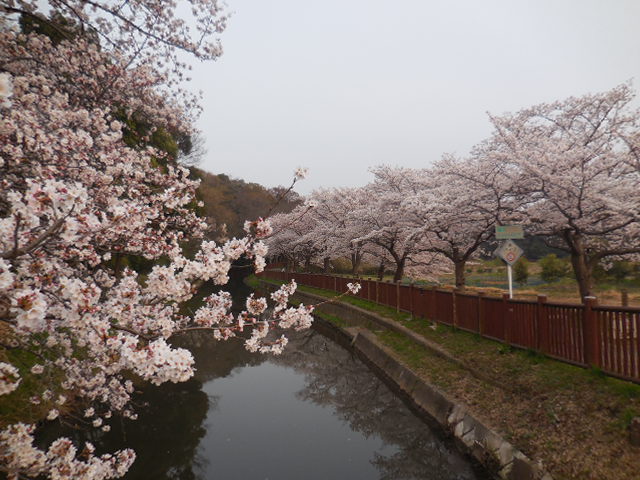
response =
{"points": [[315, 412]]}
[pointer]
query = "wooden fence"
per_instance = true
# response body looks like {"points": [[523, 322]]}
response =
{"points": [[582, 334]]}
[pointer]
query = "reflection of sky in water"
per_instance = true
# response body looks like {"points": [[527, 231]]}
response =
{"points": [[279, 436]]}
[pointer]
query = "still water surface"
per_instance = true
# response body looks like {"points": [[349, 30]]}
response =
{"points": [[315, 412]]}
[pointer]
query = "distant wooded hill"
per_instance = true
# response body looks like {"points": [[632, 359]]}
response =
{"points": [[228, 202]]}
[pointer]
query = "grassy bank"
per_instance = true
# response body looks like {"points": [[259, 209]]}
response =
{"points": [[574, 420]]}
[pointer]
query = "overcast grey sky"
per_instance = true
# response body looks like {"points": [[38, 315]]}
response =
{"points": [[342, 85]]}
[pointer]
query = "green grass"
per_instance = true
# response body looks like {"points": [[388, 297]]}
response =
{"points": [[412, 353], [337, 321], [254, 282], [358, 302], [625, 418]]}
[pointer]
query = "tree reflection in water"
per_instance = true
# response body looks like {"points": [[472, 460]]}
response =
{"points": [[168, 431], [335, 378], [165, 436]]}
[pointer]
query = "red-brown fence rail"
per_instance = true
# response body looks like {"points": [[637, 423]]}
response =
{"points": [[587, 335]]}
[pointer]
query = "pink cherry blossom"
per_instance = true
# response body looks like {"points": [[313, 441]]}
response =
{"points": [[77, 200]]}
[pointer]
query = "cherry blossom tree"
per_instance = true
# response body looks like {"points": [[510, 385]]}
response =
{"points": [[572, 165], [397, 236], [321, 228], [456, 208], [150, 32], [75, 197], [294, 238], [336, 227]]}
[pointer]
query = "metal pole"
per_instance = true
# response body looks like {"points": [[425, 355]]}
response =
{"points": [[510, 281]]}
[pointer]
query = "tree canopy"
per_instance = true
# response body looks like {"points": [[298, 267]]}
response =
{"points": [[89, 141]]}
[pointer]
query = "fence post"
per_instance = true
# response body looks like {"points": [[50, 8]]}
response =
{"points": [[434, 304], [506, 312], [411, 299], [377, 296], [335, 283], [624, 297], [398, 296], [542, 325], [481, 313], [591, 333], [454, 309]]}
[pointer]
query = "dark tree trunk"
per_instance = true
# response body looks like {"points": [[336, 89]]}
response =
{"points": [[584, 274], [292, 265], [326, 267], [460, 273], [381, 271], [356, 259], [117, 265], [307, 263], [397, 276], [582, 266]]}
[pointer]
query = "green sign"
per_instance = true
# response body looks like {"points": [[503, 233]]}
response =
{"points": [[507, 232]]}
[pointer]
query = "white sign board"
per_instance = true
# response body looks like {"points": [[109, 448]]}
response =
{"points": [[509, 252]]}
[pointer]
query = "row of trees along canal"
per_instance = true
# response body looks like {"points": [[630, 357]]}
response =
{"points": [[568, 171]]}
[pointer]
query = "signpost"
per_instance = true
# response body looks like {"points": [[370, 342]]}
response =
{"points": [[509, 251]]}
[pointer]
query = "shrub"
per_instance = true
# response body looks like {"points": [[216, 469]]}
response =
{"points": [[553, 268], [521, 271]]}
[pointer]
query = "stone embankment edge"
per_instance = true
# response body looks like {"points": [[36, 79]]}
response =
{"points": [[498, 456]]}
